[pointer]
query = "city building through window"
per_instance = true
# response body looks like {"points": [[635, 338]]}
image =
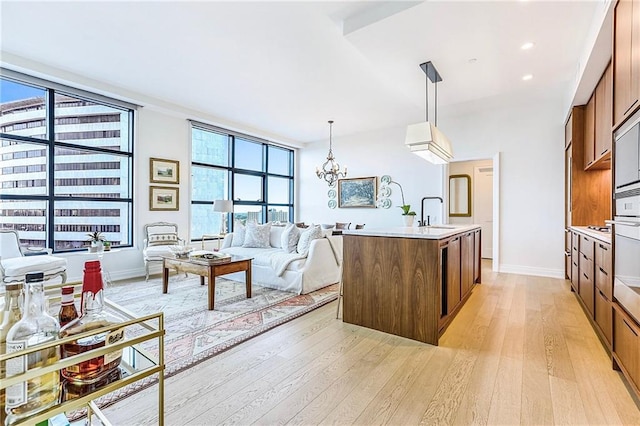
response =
{"points": [[256, 174], [67, 159]]}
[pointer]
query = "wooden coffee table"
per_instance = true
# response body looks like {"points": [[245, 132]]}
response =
{"points": [[237, 264]]}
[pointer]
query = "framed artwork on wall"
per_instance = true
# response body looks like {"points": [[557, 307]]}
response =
{"points": [[164, 198], [357, 192], [164, 171]]}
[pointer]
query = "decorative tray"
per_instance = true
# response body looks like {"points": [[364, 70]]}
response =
{"points": [[209, 257]]}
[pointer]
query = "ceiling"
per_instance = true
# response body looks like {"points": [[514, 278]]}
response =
{"points": [[287, 67]]}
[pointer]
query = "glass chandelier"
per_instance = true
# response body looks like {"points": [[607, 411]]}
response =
{"points": [[330, 171]]}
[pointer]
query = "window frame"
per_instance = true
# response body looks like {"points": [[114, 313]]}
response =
{"points": [[50, 144], [232, 171]]}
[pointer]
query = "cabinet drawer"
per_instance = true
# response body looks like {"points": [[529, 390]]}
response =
{"points": [[586, 246], [626, 344], [586, 286], [604, 282], [603, 257], [586, 267], [575, 276], [604, 315], [575, 238], [587, 292]]}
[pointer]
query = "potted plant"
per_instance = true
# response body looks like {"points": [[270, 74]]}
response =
{"points": [[96, 240], [408, 215]]}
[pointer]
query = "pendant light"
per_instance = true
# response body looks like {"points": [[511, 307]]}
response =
{"points": [[425, 139], [330, 171]]}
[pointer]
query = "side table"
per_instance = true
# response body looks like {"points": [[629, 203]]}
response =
{"points": [[208, 237]]}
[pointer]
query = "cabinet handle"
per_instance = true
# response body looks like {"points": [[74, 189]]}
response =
{"points": [[622, 222], [630, 328], [566, 253], [632, 105], [585, 275], [603, 271], [604, 152]]}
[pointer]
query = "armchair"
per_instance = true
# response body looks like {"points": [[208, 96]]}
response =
{"points": [[14, 264], [158, 239]]}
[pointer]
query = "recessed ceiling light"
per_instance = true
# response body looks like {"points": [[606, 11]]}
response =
{"points": [[527, 77], [528, 45], [473, 60]]}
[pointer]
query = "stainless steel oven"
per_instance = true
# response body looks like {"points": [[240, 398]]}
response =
{"points": [[626, 236], [627, 258]]}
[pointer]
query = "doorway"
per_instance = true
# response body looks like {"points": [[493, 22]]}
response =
{"points": [[483, 175]]}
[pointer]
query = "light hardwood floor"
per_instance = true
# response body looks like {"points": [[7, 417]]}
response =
{"points": [[521, 351]]}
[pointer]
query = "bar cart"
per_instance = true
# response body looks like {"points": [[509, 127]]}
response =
{"points": [[137, 364]]}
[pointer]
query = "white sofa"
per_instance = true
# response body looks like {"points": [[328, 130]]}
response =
{"points": [[274, 268]]}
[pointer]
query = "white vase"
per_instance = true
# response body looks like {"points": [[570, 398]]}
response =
{"points": [[96, 247], [408, 219]]}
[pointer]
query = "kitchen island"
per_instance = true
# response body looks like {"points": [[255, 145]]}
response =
{"points": [[410, 282]]}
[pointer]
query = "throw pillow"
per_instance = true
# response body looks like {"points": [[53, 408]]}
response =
{"points": [[290, 237], [239, 231], [168, 238], [257, 236], [308, 235]]}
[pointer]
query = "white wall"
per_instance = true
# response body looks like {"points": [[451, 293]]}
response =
{"points": [[368, 154], [530, 138]]}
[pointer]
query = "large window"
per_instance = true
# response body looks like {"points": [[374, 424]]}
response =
{"points": [[67, 160], [256, 175]]}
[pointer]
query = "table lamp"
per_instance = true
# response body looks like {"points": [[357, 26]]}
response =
{"points": [[224, 207]]}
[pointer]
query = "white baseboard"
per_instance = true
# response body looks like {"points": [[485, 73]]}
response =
{"points": [[528, 270], [119, 275]]}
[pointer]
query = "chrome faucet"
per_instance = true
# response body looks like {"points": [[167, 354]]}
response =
{"points": [[421, 222]]}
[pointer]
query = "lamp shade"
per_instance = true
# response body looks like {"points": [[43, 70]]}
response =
{"points": [[223, 206], [428, 142]]}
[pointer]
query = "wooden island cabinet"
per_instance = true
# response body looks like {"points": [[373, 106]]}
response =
{"points": [[410, 282]]}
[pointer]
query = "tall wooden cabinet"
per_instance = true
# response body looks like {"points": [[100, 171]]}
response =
{"points": [[587, 192], [597, 133], [626, 60], [603, 119]]}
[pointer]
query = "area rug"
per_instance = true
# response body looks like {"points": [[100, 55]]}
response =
{"points": [[194, 333]]}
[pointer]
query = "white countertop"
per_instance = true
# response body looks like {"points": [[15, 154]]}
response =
{"points": [[598, 235], [435, 232]]}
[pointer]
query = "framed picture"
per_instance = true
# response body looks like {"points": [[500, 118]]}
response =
{"points": [[164, 171], [357, 192], [164, 198]]}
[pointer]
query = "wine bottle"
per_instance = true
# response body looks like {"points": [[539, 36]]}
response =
{"points": [[12, 314], [93, 317], [68, 311], [36, 327]]}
